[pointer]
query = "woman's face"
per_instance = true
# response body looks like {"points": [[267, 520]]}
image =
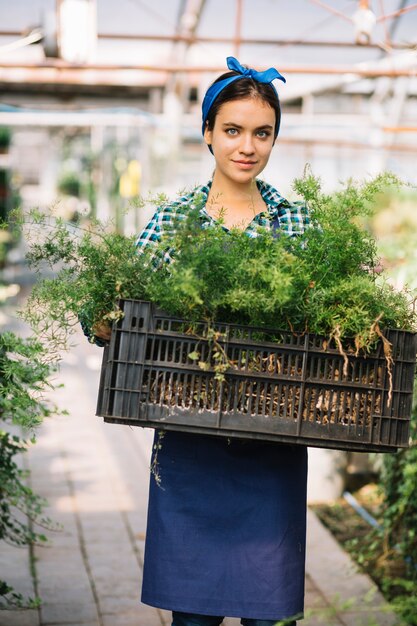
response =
{"points": [[242, 138]]}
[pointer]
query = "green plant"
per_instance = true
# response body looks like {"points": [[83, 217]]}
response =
{"points": [[24, 378], [70, 184], [224, 275], [16, 497], [5, 137], [323, 281], [93, 267], [340, 258], [9, 598]]}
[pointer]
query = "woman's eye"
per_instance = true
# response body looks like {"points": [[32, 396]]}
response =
{"points": [[263, 134], [231, 131]]}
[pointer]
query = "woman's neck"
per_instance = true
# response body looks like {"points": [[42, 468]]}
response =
{"points": [[235, 204], [233, 192]]}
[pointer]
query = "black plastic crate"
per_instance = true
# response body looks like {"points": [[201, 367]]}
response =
{"points": [[281, 386]]}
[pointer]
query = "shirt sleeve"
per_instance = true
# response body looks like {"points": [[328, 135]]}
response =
{"points": [[160, 226], [294, 217], [151, 234]]}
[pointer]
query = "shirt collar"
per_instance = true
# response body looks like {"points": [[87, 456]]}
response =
{"points": [[270, 196]]}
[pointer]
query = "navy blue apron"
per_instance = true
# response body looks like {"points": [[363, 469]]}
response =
{"points": [[226, 528]]}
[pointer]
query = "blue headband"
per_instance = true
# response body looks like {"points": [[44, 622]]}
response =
{"points": [[242, 72]]}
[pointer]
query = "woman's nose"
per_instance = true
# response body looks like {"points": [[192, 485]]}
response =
{"points": [[246, 146]]}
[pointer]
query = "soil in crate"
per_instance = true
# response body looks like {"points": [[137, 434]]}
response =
{"points": [[258, 392], [253, 397]]}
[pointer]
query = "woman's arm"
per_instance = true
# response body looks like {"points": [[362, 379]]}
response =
{"points": [[160, 224]]}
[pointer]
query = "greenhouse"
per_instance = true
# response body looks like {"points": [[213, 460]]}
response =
{"points": [[208, 273]]}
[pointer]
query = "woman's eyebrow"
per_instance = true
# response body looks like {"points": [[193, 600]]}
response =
{"points": [[239, 126]]}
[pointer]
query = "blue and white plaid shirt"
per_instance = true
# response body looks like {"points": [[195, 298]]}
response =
{"points": [[290, 218]]}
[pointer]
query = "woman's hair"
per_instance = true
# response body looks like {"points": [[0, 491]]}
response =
{"points": [[245, 87]]}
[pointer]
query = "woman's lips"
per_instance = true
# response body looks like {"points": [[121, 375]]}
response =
{"points": [[246, 165]]}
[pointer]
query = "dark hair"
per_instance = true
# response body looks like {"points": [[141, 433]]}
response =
{"points": [[245, 87]]}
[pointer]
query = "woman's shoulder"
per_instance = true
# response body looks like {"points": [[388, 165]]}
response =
{"points": [[169, 212], [274, 197], [188, 199], [269, 192], [293, 216]]}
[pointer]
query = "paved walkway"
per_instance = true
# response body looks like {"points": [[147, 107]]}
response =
{"points": [[95, 477]]}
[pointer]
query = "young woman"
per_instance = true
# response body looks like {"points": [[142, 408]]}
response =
{"points": [[226, 529]]}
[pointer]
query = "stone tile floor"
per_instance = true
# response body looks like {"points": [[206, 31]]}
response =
{"points": [[95, 478]]}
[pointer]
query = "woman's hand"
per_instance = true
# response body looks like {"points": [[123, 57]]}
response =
{"points": [[102, 330]]}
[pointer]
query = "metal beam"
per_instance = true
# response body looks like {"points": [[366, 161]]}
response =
{"points": [[355, 145], [60, 68], [188, 20], [74, 118], [86, 119], [238, 28], [227, 40], [401, 11]]}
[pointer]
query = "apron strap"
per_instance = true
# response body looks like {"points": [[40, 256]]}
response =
{"points": [[275, 227]]}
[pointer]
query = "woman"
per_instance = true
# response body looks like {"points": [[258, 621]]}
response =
{"points": [[226, 531], [226, 528]]}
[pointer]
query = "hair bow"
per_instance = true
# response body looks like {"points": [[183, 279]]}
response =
{"points": [[262, 77], [233, 64]]}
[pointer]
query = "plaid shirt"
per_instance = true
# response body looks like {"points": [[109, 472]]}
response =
{"points": [[290, 218]]}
